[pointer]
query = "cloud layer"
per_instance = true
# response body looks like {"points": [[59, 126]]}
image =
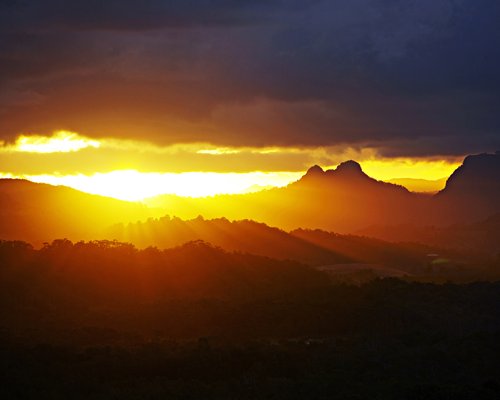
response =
{"points": [[407, 78]]}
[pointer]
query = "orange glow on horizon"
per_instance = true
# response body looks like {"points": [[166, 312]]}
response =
{"points": [[136, 170], [132, 185]]}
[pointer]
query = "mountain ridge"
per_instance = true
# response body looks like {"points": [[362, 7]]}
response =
{"points": [[40, 212], [343, 200]]}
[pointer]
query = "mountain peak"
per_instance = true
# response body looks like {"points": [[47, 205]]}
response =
{"points": [[350, 167], [477, 172], [315, 170]]}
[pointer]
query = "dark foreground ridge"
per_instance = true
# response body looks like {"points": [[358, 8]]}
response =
{"points": [[105, 320]]}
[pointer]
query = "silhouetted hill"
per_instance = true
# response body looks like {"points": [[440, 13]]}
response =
{"points": [[346, 200], [406, 256], [38, 212], [343, 200], [472, 192], [197, 289], [243, 236], [348, 177], [101, 319], [478, 238], [347, 171], [479, 174], [313, 247], [110, 271]]}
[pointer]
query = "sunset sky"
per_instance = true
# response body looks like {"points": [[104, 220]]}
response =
{"points": [[132, 99]]}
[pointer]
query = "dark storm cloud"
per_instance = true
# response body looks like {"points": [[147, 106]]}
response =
{"points": [[414, 78], [129, 14]]}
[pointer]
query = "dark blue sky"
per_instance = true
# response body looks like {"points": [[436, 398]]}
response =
{"points": [[407, 77]]}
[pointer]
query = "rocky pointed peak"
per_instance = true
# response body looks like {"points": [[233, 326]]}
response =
{"points": [[315, 170], [478, 172], [349, 167]]}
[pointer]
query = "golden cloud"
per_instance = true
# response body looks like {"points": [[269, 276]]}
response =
{"points": [[59, 142]]}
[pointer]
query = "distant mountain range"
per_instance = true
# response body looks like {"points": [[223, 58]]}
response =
{"points": [[342, 200], [347, 200], [420, 185]]}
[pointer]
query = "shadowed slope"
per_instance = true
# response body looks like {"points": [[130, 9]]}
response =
{"points": [[478, 238], [472, 192], [39, 212], [110, 271], [344, 199], [244, 236], [313, 247], [464, 215], [407, 256]]}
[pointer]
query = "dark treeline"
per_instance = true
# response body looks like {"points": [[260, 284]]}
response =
{"points": [[118, 272], [105, 320], [199, 290]]}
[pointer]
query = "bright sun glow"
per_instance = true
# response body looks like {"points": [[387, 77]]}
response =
{"points": [[59, 142], [386, 169], [53, 159], [133, 185]]}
